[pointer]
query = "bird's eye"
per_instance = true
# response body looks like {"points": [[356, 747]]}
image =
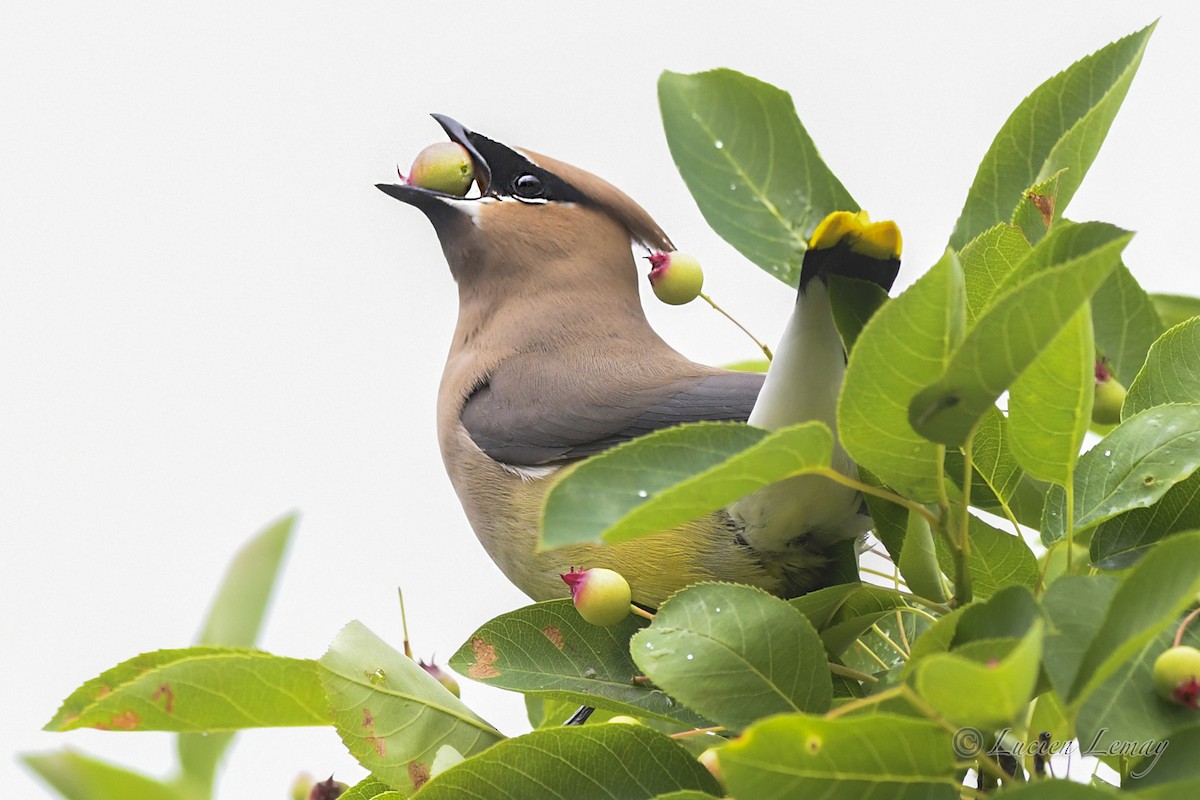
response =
{"points": [[528, 185]]}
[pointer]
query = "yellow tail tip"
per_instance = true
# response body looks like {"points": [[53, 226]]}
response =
{"points": [[875, 239]]}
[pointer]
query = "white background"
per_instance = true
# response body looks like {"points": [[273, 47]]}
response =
{"points": [[210, 317]]}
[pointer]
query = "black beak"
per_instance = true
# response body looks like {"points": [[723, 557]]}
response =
{"points": [[428, 199]]}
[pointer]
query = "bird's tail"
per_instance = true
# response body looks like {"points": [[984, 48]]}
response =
{"points": [[847, 243]]}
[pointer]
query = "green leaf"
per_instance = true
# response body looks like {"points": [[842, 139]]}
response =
{"points": [[1171, 373], [1132, 467], [240, 604], [1076, 605], [1030, 307], [1169, 771], [903, 347], [750, 165], [673, 476], [1008, 614], [197, 689], [918, 560], [1149, 598], [1050, 404], [1120, 542], [857, 612], [853, 303], [371, 788], [996, 559], [1012, 492], [999, 691], [391, 714], [1126, 709], [1060, 790], [1035, 210], [548, 650], [234, 621], [76, 776], [848, 758], [575, 763], [1059, 126], [1175, 308], [734, 654], [987, 260], [1125, 323]]}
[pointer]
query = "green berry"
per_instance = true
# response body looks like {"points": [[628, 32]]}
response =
{"points": [[1177, 676], [602, 596], [710, 759], [443, 167], [1110, 396], [676, 277]]}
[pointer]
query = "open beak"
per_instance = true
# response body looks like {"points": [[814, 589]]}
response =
{"points": [[427, 199]]}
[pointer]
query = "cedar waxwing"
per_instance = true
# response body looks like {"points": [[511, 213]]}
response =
{"points": [[553, 360]]}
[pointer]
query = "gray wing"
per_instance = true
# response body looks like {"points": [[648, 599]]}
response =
{"points": [[547, 430]]}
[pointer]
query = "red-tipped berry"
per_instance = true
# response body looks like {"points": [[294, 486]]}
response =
{"points": [[444, 167], [676, 277], [327, 790], [1110, 396], [1177, 676], [601, 595], [443, 677]]}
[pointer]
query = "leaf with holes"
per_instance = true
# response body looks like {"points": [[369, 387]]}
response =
{"points": [[848, 758], [547, 650], [1060, 126], [197, 689], [391, 714], [1132, 467]]}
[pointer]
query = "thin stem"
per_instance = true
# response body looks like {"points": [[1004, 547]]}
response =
{"points": [[864, 702], [921, 613], [638, 611], [852, 674], [404, 623], [986, 763], [899, 650], [766, 350], [876, 491], [962, 582], [872, 654], [889, 575], [1069, 488], [1183, 626], [903, 633], [698, 732]]}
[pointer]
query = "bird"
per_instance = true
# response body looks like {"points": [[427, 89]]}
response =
{"points": [[553, 360]]}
